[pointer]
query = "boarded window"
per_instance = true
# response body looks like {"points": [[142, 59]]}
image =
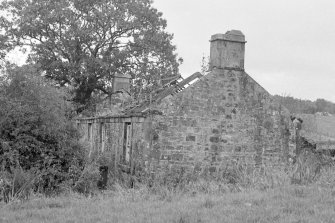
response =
{"points": [[127, 143]]}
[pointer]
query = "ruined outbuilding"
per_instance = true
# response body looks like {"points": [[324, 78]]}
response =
{"points": [[204, 122]]}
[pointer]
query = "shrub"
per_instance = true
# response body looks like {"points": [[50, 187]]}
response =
{"points": [[36, 131], [88, 180]]}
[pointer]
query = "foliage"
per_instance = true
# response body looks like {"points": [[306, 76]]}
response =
{"points": [[299, 106], [3, 46], [227, 178], [204, 64], [310, 166], [85, 43], [17, 185], [201, 201], [35, 130], [88, 180]]}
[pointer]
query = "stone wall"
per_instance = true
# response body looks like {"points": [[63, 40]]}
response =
{"points": [[224, 117]]}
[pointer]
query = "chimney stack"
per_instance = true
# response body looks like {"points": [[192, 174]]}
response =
{"points": [[121, 82], [227, 50]]}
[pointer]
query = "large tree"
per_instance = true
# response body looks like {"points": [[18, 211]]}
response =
{"points": [[84, 43]]}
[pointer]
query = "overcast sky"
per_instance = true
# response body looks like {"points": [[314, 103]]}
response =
{"points": [[290, 47]]}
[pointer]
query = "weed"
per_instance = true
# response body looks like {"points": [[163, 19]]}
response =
{"points": [[18, 185], [208, 203], [299, 192], [183, 219], [87, 183]]}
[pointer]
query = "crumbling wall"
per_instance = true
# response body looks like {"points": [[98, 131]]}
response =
{"points": [[225, 117], [113, 105], [104, 139], [101, 138]]}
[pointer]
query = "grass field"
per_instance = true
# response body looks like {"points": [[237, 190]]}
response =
{"points": [[322, 126], [287, 204], [287, 195], [326, 125]]}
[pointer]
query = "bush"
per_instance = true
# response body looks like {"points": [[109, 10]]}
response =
{"points": [[36, 132], [88, 180]]}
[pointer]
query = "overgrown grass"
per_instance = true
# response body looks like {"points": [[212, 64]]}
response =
{"points": [[286, 204], [319, 125], [267, 196]]}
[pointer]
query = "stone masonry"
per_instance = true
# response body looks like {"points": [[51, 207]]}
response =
{"points": [[222, 118], [226, 116]]}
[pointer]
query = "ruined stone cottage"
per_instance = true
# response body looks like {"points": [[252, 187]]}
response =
{"points": [[204, 122]]}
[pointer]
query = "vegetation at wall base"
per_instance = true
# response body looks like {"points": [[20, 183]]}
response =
{"points": [[269, 196]]}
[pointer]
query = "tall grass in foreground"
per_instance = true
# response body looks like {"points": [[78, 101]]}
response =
{"points": [[309, 168], [271, 199], [234, 194], [172, 183]]}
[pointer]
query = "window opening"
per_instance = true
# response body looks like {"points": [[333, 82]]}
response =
{"points": [[89, 131], [127, 143], [102, 136]]}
